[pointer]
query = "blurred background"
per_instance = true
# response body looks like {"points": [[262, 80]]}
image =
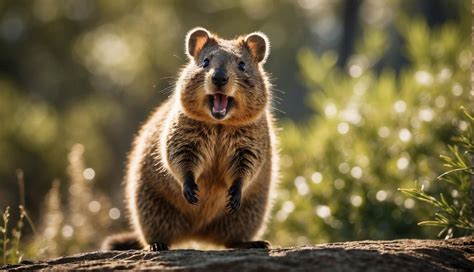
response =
{"points": [[368, 95]]}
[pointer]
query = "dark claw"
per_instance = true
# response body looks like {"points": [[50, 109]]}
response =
{"points": [[158, 247], [190, 192], [235, 194], [260, 244]]}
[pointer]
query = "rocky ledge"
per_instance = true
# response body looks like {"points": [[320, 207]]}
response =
{"points": [[403, 255]]}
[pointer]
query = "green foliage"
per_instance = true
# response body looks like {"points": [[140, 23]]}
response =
{"points": [[81, 223], [4, 230], [10, 239], [371, 134], [453, 212]]}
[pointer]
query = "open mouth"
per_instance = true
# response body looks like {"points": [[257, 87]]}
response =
{"points": [[220, 105]]}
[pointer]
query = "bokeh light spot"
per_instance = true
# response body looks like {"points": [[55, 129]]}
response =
{"points": [[114, 213], [400, 106], [383, 132], [343, 128], [404, 135], [402, 163], [89, 173], [381, 195], [409, 203], [67, 231], [356, 172], [424, 78], [94, 206], [339, 184], [316, 177], [356, 200], [323, 211]]}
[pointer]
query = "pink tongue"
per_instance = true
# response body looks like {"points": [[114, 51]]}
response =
{"points": [[220, 102]]}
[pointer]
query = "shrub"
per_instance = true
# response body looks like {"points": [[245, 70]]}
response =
{"points": [[453, 210], [370, 134]]}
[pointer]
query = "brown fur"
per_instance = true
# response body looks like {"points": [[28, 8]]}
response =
{"points": [[182, 137]]}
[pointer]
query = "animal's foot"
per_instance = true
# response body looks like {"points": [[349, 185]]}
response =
{"points": [[190, 191], [158, 246]]}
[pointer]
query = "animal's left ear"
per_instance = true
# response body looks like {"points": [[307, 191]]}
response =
{"points": [[258, 45]]}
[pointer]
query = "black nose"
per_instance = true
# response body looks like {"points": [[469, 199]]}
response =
{"points": [[220, 78]]}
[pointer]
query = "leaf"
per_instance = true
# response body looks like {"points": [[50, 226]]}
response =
{"points": [[430, 223]]}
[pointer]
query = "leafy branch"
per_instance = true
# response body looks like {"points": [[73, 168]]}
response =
{"points": [[453, 215]]}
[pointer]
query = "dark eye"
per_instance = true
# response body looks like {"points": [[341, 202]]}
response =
{"points": [[242, 66], [205, 63]]}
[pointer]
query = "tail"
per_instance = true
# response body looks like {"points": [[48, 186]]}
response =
{"points": [[122, 241]]}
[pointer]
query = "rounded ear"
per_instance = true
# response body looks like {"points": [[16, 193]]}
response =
{"points": [[195, 41], [258, 45]]}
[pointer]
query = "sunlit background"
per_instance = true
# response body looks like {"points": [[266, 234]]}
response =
{"points": [[367, 95]]}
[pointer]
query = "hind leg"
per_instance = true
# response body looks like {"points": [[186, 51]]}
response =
{"points": [[159, 223], [237, 229]]}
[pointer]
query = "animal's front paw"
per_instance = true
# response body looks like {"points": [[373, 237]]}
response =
{"points": [[235, 195], [190, 191]]}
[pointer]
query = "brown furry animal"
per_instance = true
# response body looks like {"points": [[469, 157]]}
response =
{"points": [[203, 165]]}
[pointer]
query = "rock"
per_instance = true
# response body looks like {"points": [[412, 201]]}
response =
{"points": [[403, 255]]}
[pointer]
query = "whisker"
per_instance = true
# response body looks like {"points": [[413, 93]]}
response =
{"points": [[278, 90], [169, 77], [168, 89], [176, 56], [277, 109], [277, 98]]}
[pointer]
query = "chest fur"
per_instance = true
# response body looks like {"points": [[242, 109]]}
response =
{"points": [[214, 149]]}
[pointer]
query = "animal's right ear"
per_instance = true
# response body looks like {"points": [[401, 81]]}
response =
{"points": [[195, 41]]}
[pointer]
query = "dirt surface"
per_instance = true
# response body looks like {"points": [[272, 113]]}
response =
{"points": [[403, 255]]}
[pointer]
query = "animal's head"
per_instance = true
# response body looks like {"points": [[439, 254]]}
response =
{"points": [[224, 81]]}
